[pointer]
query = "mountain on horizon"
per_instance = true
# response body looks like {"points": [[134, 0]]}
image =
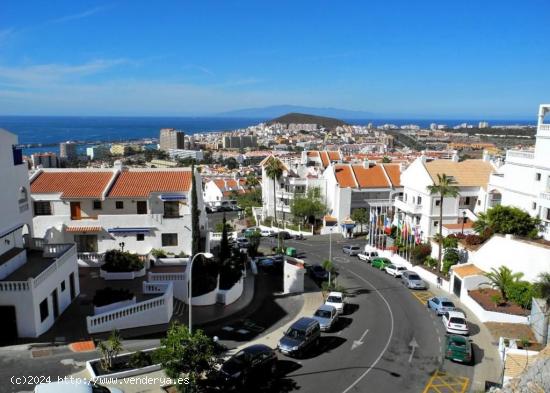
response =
{"points": [[270, 112], [303, 118]]}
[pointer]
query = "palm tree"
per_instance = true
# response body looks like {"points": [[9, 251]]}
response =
{"points": [[252, 180], [274, 170], [501, 279], [443, 188], [544, 287], [329, 267]]}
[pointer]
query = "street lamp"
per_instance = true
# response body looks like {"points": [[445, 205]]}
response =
{"points": [[121, 245], [207, 255], [463, 220]]}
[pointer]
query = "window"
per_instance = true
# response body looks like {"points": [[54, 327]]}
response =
{"points": [[413, 200], [479, 202], [62, 285], [44, 310], [119, 204], [140, 237], [419, 201], [97, 205], [437, 202], [436, 223], [17, 155], [169, 239], [467, 200], [548, 214], [534, 205], [538, 176], [42, 208], [171, 209]]}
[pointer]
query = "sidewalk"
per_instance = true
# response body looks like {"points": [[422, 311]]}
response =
{"points": [[490, 367]]}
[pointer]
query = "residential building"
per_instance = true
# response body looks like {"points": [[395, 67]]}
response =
{"points": [[68, 150], [122, 149], [99, 152], [102, 209], [524, 179], [239, 141], [175, 154], [421, 209], [45, 160], [38, 279], [171, 138], [222, 189]]}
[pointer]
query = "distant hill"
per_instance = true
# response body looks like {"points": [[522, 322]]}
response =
{"points": [[270, 112], [302, 118]]}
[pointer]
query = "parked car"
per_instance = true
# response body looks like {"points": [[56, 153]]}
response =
{"points": [[455, 322], [440, 305], [253, 364], [299, 237], [301, 336], [395, 270], [318, 273], [337, 300], [264, 262], [74, 387], [208, 209], [266, 233], [242, 242], [459, 349], [351, 250], [367, 256], [412, 280], [250, 231], [327, 316], [284, 235], [380, 262]]}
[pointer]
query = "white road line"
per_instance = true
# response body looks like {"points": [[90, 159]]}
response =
{"points": [[389, 337]]}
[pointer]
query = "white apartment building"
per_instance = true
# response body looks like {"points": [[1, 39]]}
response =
{"points": [[524, 179], [38, 280], [421, 210], [117, 208], [222, 189]]}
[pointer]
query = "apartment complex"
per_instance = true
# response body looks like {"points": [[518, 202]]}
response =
{"points": [[239, 141], [101, 209], [45, 160], [171, 138], [38, 279], [68, 150], [524, 179], [222, 189]]}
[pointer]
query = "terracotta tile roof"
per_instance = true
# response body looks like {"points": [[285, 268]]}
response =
{"points": [[468, 225], [324, 158], [394, 173], [334, 155], [468, 173], [344, 176], [467, 270], [266, 160], [517, 363], [93, 229], [313, 154], [372, 177], [72, 184], [330, 218], [141, 183]]}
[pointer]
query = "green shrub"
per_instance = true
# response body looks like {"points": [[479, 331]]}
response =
{"points": [[140, 359], [158, 253], [121, 261], [521, 293], [497, 299], [109, 295], [430, 262], [420, 252]]}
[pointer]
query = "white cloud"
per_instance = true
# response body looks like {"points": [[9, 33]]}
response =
{"points": [[81, 15]]}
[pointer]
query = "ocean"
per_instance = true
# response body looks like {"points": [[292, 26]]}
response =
{"points": [[50, 130]]}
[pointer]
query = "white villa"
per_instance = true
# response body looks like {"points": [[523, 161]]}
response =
{"points": [[524, 179], [38, 279], [221, 189], [130, 209]]}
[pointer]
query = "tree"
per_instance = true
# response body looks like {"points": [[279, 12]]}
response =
{"points": [[231, 163], [195, 213], [252, 180], [309, 206], [507, 220], [186, 355], [274, 170], [360, 216], [386, 160], [329, 267], [109, 350], [543, 287], [502, 279], [225, 248], [443, 188]]}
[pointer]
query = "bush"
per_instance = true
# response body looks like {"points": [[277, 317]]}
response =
{"points": [[450, 242], [158, 253], [472, 240], [109, 295], [121, 261], [521, 293], [140, 359], [458, 235], [420, 252], [430, 262]]}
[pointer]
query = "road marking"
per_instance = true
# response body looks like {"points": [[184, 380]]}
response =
{"points": [[422, 296], [413, 344], [368, 370], [441, 382], [359, 342]]}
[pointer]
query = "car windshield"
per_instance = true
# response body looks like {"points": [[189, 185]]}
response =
{"points": [[318, 268], [457, 343], [295, 333], [391, 267], [334, 299], [322, 314], [414, 277], [447, 304], [458, 321], [401, 268], [354, 248]]}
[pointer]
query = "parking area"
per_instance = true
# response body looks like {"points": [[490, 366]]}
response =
{"points": [[422, 296], [442, 382]]}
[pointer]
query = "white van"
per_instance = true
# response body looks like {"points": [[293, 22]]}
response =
{"points": [[74, 387]]}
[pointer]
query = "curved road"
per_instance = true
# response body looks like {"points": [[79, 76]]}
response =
{"points": [[371, 351]]}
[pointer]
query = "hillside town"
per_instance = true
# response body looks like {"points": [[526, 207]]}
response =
{"points": [[302, 237]]}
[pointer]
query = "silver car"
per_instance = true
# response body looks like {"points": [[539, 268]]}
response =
{"points": [[327, 316], [412, 280]]}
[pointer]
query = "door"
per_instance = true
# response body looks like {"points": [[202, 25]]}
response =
{"points": [[55, 303], [457, 286], [72, 286], [86, 243], [141, 207], [75, 211], [8, 327]]}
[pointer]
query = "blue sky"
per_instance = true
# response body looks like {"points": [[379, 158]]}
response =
{"points": [[473, 58]]}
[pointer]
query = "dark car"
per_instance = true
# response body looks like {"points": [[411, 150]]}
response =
{"points": [[253, 365], [300, 337], [318, 273], [284, 235]]}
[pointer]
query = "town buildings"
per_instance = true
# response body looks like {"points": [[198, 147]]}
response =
{"points": [[45, 160], [68, 150], [38, 278], [171, 138]]}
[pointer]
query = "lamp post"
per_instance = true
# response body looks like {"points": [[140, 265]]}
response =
{"points": [[121, 245], [207, 255], [463, 220]]}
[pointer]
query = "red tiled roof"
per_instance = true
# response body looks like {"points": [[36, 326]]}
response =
{"points": [[394, 173], [344, 176], [141, 183], [372, 177], [313, 154], [93, 229], [467, 225], [324, 158], [334, 155], [72, 184]]}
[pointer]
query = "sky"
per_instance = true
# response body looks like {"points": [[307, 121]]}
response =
{"points": [[483, 59]]}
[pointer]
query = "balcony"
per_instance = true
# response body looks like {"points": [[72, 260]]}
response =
{"points": [[520, 156], [408, 207], [544, 127]]}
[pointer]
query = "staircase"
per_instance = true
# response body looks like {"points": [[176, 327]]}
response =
{"points": [[180, 309]]}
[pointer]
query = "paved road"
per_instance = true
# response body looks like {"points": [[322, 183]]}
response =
{"points": [[385, 319]]}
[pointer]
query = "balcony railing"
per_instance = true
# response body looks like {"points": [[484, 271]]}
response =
{"points": [[544, 127], [545, 195], [408, 207], [522, 154]]}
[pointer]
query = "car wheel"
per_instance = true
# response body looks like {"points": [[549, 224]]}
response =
{"points": [[428, 305]]}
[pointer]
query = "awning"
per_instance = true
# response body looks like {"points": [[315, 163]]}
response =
{"points": [[129, 230], [94, 229], [173, 197], [348, 226]]}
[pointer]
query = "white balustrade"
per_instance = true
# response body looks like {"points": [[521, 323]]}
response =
{"points": [[155, 287], [15, 286]]}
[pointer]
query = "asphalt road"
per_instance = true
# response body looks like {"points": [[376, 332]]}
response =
{"points": [[384, 319]]}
